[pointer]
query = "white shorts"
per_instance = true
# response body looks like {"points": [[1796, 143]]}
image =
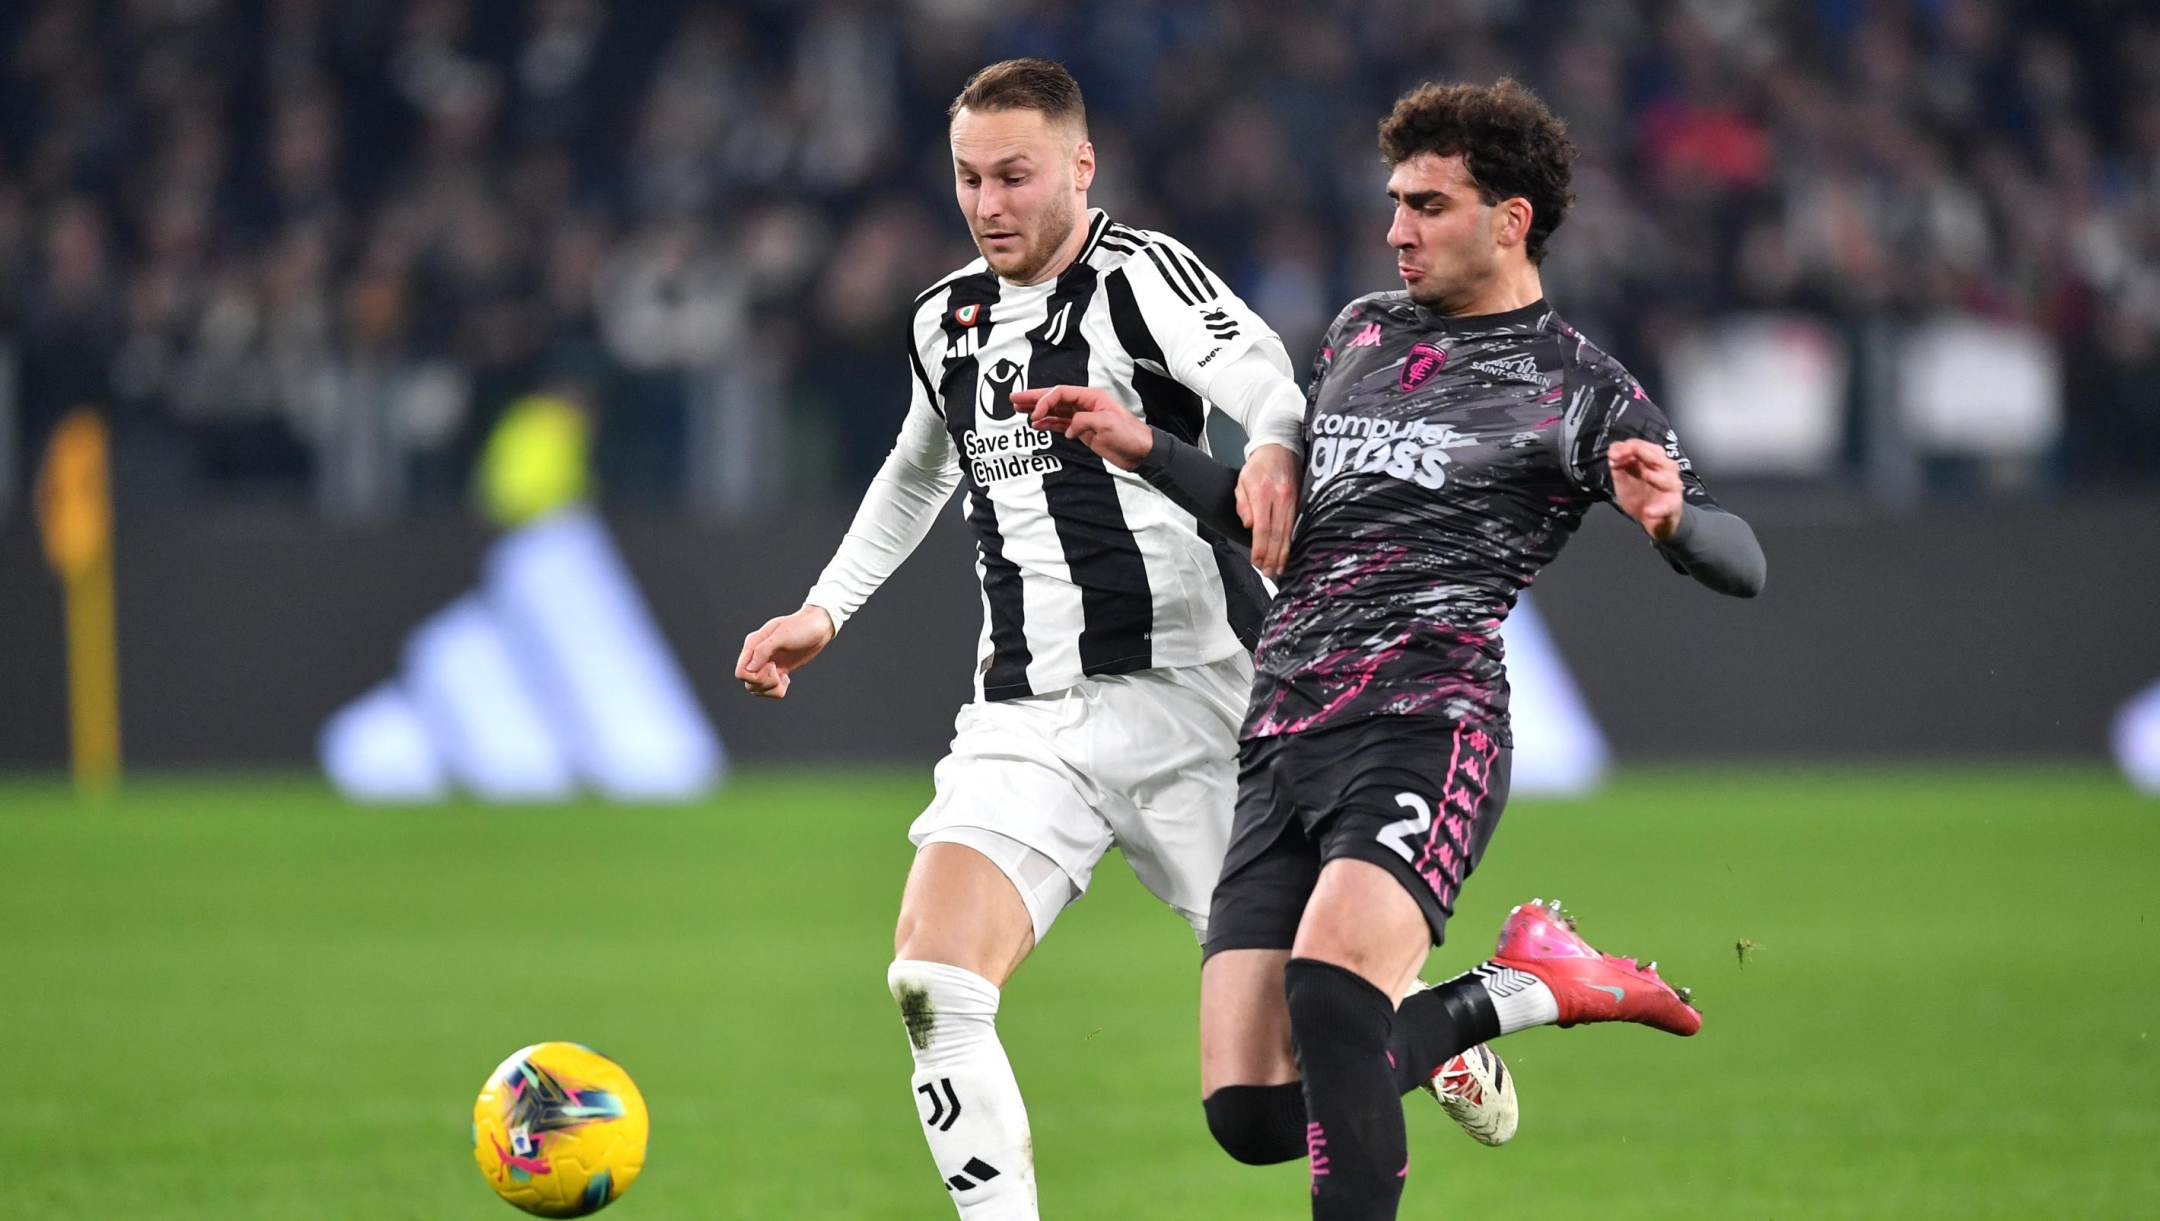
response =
{"points": [[1146, 761]]}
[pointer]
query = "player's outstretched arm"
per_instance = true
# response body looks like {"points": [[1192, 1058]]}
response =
{"points": [[917, 479], [1254, 506], [1717, 548], [1091, 417]]}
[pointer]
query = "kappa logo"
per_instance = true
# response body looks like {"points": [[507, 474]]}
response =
{"points": [[1367, 338], [994, 389], [1418, 367]]}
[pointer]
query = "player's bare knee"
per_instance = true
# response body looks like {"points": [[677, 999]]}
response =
{"points": [[1244, 1023], [1369, 962], [914, 933], [988, 948], [1362, 919]]}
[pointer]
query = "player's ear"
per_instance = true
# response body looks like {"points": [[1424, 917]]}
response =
{"points": [[1513, 217], [1083, 164]]}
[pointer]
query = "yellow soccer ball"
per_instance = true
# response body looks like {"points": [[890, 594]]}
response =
{"points": [[559, 1130]]}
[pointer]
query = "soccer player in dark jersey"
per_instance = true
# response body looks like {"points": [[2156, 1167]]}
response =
{"points": [[1456, 434]]}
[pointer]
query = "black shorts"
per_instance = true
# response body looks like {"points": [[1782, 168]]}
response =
{"points": [[1416, 796]]}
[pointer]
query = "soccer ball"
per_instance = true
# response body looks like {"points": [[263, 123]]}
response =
{"points": [[559, 1130]]}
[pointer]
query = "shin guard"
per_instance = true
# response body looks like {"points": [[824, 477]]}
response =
{"points": [[965, 1093], [1341, 1026]]}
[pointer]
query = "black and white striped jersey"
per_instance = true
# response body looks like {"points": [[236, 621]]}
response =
{"points": [[1086, 569]]}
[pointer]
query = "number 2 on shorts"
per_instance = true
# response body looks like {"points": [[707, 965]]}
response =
{"points": [[1396, 834]]}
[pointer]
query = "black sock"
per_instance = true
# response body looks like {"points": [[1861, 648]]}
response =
{"points": [[1341, 1026], [1259, 1125], [1437, 1024]]}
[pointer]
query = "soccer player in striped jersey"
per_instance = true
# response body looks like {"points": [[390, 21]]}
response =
{"points": [[1115, 656], [1114, 666]]}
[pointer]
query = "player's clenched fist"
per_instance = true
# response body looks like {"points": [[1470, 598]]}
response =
{"points": [[780, 646], [1646, 485]]}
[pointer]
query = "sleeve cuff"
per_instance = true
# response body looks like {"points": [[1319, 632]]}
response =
{"points": [[1685, 531], [829, 601], [1290, 435], [1280, 420], [1158, 455]]}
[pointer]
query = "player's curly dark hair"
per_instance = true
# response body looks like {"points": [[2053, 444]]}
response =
{"points": [[1511, 143]]}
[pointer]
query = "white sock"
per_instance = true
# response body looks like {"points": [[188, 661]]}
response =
{"points": [[1521, 999], [965, 1092]]}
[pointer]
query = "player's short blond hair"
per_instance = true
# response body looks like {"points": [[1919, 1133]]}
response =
{"points": [[1028, 83]]}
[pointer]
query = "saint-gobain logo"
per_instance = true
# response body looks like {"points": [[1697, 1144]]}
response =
{"points": [[1418, 367], [993, 393]]}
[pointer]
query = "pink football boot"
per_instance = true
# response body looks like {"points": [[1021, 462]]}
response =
{"points": [[1591, 987]]}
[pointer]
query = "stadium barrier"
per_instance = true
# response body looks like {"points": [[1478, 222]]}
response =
{"points": [[1999, 630]]}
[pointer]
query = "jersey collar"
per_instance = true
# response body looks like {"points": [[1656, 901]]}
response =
{"points": [[1474, 324], [1098, 224]]}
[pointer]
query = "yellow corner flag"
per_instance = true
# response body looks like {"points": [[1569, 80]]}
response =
{"points": [[74, 507]]}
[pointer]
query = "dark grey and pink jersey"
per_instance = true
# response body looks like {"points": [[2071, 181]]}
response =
{"points": [[1448, 460]]}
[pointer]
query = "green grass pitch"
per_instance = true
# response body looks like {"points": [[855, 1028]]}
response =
{"points": [[238, 998]]}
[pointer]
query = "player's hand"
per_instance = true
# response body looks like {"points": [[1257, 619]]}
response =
{"points": [[1091, 417], [1267, 492], [780, 646], [1646, 485]]}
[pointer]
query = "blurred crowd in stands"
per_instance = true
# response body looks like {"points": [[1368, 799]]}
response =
{"points": [[237, 222]]}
